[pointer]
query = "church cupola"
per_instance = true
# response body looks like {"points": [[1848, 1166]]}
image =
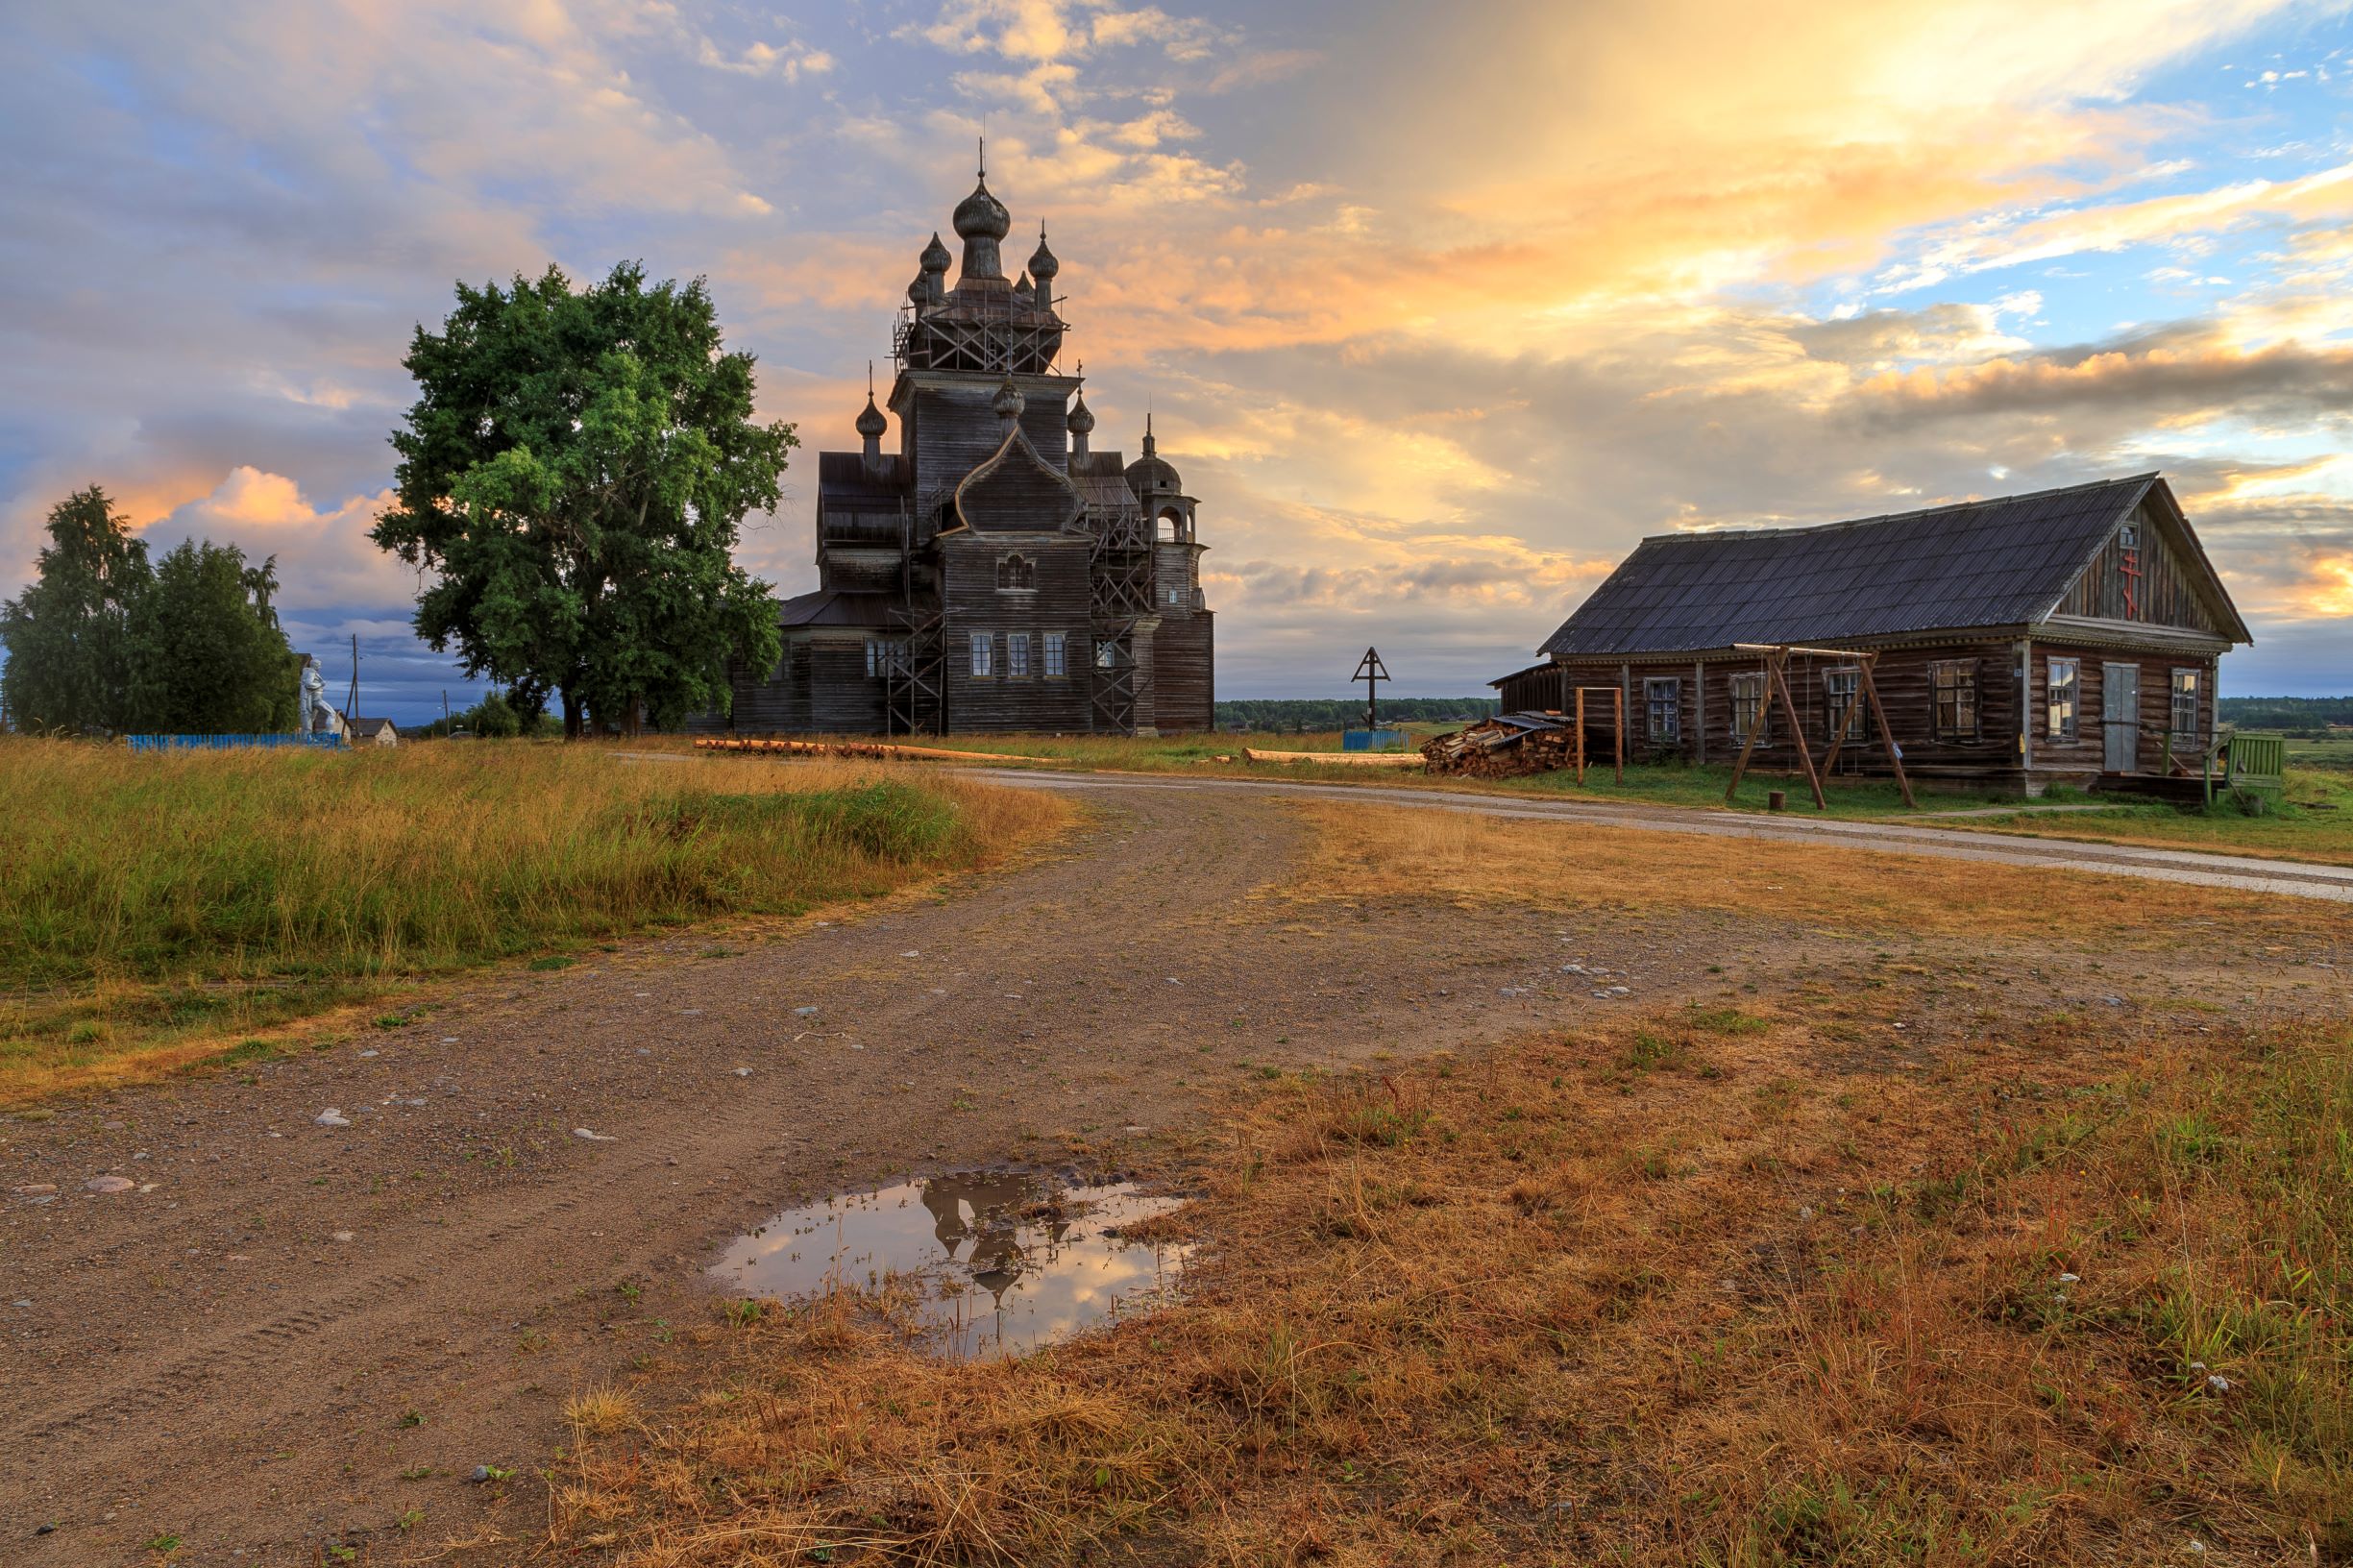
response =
{"points": [[982, 222], [1081, 425], [1008, 403], [933, 278], [872, 424], [1043, 266]]}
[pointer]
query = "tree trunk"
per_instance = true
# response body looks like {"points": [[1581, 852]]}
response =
{"points": [[572, 714]]}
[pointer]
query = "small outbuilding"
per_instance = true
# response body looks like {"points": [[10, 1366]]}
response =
{"points": [[373, 733], [2062, 636]]}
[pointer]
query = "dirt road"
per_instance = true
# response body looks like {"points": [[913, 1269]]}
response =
{"points": [[2191, 867], [287, 1337]]}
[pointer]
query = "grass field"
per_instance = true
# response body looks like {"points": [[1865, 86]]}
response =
{"points": [[1726, 1284], [160, 906]]}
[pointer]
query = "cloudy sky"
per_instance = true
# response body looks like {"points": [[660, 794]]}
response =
{"points": [[1438, 308]]}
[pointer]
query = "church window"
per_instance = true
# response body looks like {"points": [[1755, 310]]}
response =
{"points": [[1016, 572], [1057, 659], [1016, 653], [1106, 655], [983, 645]]}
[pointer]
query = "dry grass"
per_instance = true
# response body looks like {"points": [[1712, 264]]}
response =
{"points": [[1703, 1289], [1384, 852], [160, 907]]}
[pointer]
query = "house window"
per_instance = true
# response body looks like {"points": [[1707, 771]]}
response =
{"points": [[1840, 691], [2063, 697], [1953, 688], [1749, 717], [1106, 655], [1057, 660], [1016, 653], [1015, 571], [2185, 705], [1662, 700], [982, 645]]}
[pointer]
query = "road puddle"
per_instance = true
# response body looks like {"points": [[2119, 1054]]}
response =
{"points": [[1003, 1262]]}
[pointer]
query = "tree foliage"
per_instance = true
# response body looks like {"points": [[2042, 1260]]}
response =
{"points": [[65, 634], [104, 642], [206, 654], [575, 470]]}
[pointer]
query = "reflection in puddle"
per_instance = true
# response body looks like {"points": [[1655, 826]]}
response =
{"points": [[1006, 1261]]}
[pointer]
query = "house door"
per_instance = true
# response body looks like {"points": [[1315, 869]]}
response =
{"points": [[2119, 714]]}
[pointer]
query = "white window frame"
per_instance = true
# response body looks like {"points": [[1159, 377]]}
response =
{"points": [[983, 647], [1057, 655]]}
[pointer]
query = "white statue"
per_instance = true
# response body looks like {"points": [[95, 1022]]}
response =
{"points": [[317, 718]]}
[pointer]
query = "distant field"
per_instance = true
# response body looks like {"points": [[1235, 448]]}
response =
{"points": [[157, 905]]}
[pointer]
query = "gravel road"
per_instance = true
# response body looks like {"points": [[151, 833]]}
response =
{"points": [[288, 1329]]}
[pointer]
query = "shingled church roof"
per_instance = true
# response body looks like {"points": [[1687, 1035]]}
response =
{"points": [[2006, 561]]}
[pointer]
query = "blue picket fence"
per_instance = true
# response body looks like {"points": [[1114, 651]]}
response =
{"points": [[225, 743]]}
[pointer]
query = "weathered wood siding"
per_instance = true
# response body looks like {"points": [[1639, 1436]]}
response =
{"points": [[1000, 703], [2057, 759], [1184, 675], [2161, 596]]}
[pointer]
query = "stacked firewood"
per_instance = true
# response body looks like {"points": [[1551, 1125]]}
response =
{"points": [[1520, 743]]}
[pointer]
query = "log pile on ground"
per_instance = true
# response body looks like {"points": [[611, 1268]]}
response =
{"points": [[1504, 747]]}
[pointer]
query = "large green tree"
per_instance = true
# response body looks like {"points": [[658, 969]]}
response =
{"points": [[575, 472], [65, 634], [204, 652]]}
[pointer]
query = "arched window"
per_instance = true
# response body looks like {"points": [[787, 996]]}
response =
{"points": [[1171, 525], [1015, 571]]}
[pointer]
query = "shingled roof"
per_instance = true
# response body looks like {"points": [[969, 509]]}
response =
{"points": [[2006, 561]]}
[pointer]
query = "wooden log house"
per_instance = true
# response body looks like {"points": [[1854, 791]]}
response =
{"points": [[2063, 636], [993, 572]]}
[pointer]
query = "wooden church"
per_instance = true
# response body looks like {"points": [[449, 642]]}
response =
{"points": [[2064, 636], [989, 570]]}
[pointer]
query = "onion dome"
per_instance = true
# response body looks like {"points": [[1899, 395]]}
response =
{"points": [[919, 292], [1043, 263], [1152, 472], [1024, 289], [981, 215], [1081, 418], [871, 423], [1008, 402], [934, 258]]}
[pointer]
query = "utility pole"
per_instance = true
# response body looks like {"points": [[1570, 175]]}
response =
{"points": [[1370, 670]]}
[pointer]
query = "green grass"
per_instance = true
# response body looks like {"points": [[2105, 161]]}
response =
{"points": [[150, 896]]}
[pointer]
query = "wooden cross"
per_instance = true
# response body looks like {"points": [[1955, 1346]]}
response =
{"points": [[1369, 669]]}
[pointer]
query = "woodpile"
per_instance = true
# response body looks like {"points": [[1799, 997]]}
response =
{"points": [[1504, 747]]}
